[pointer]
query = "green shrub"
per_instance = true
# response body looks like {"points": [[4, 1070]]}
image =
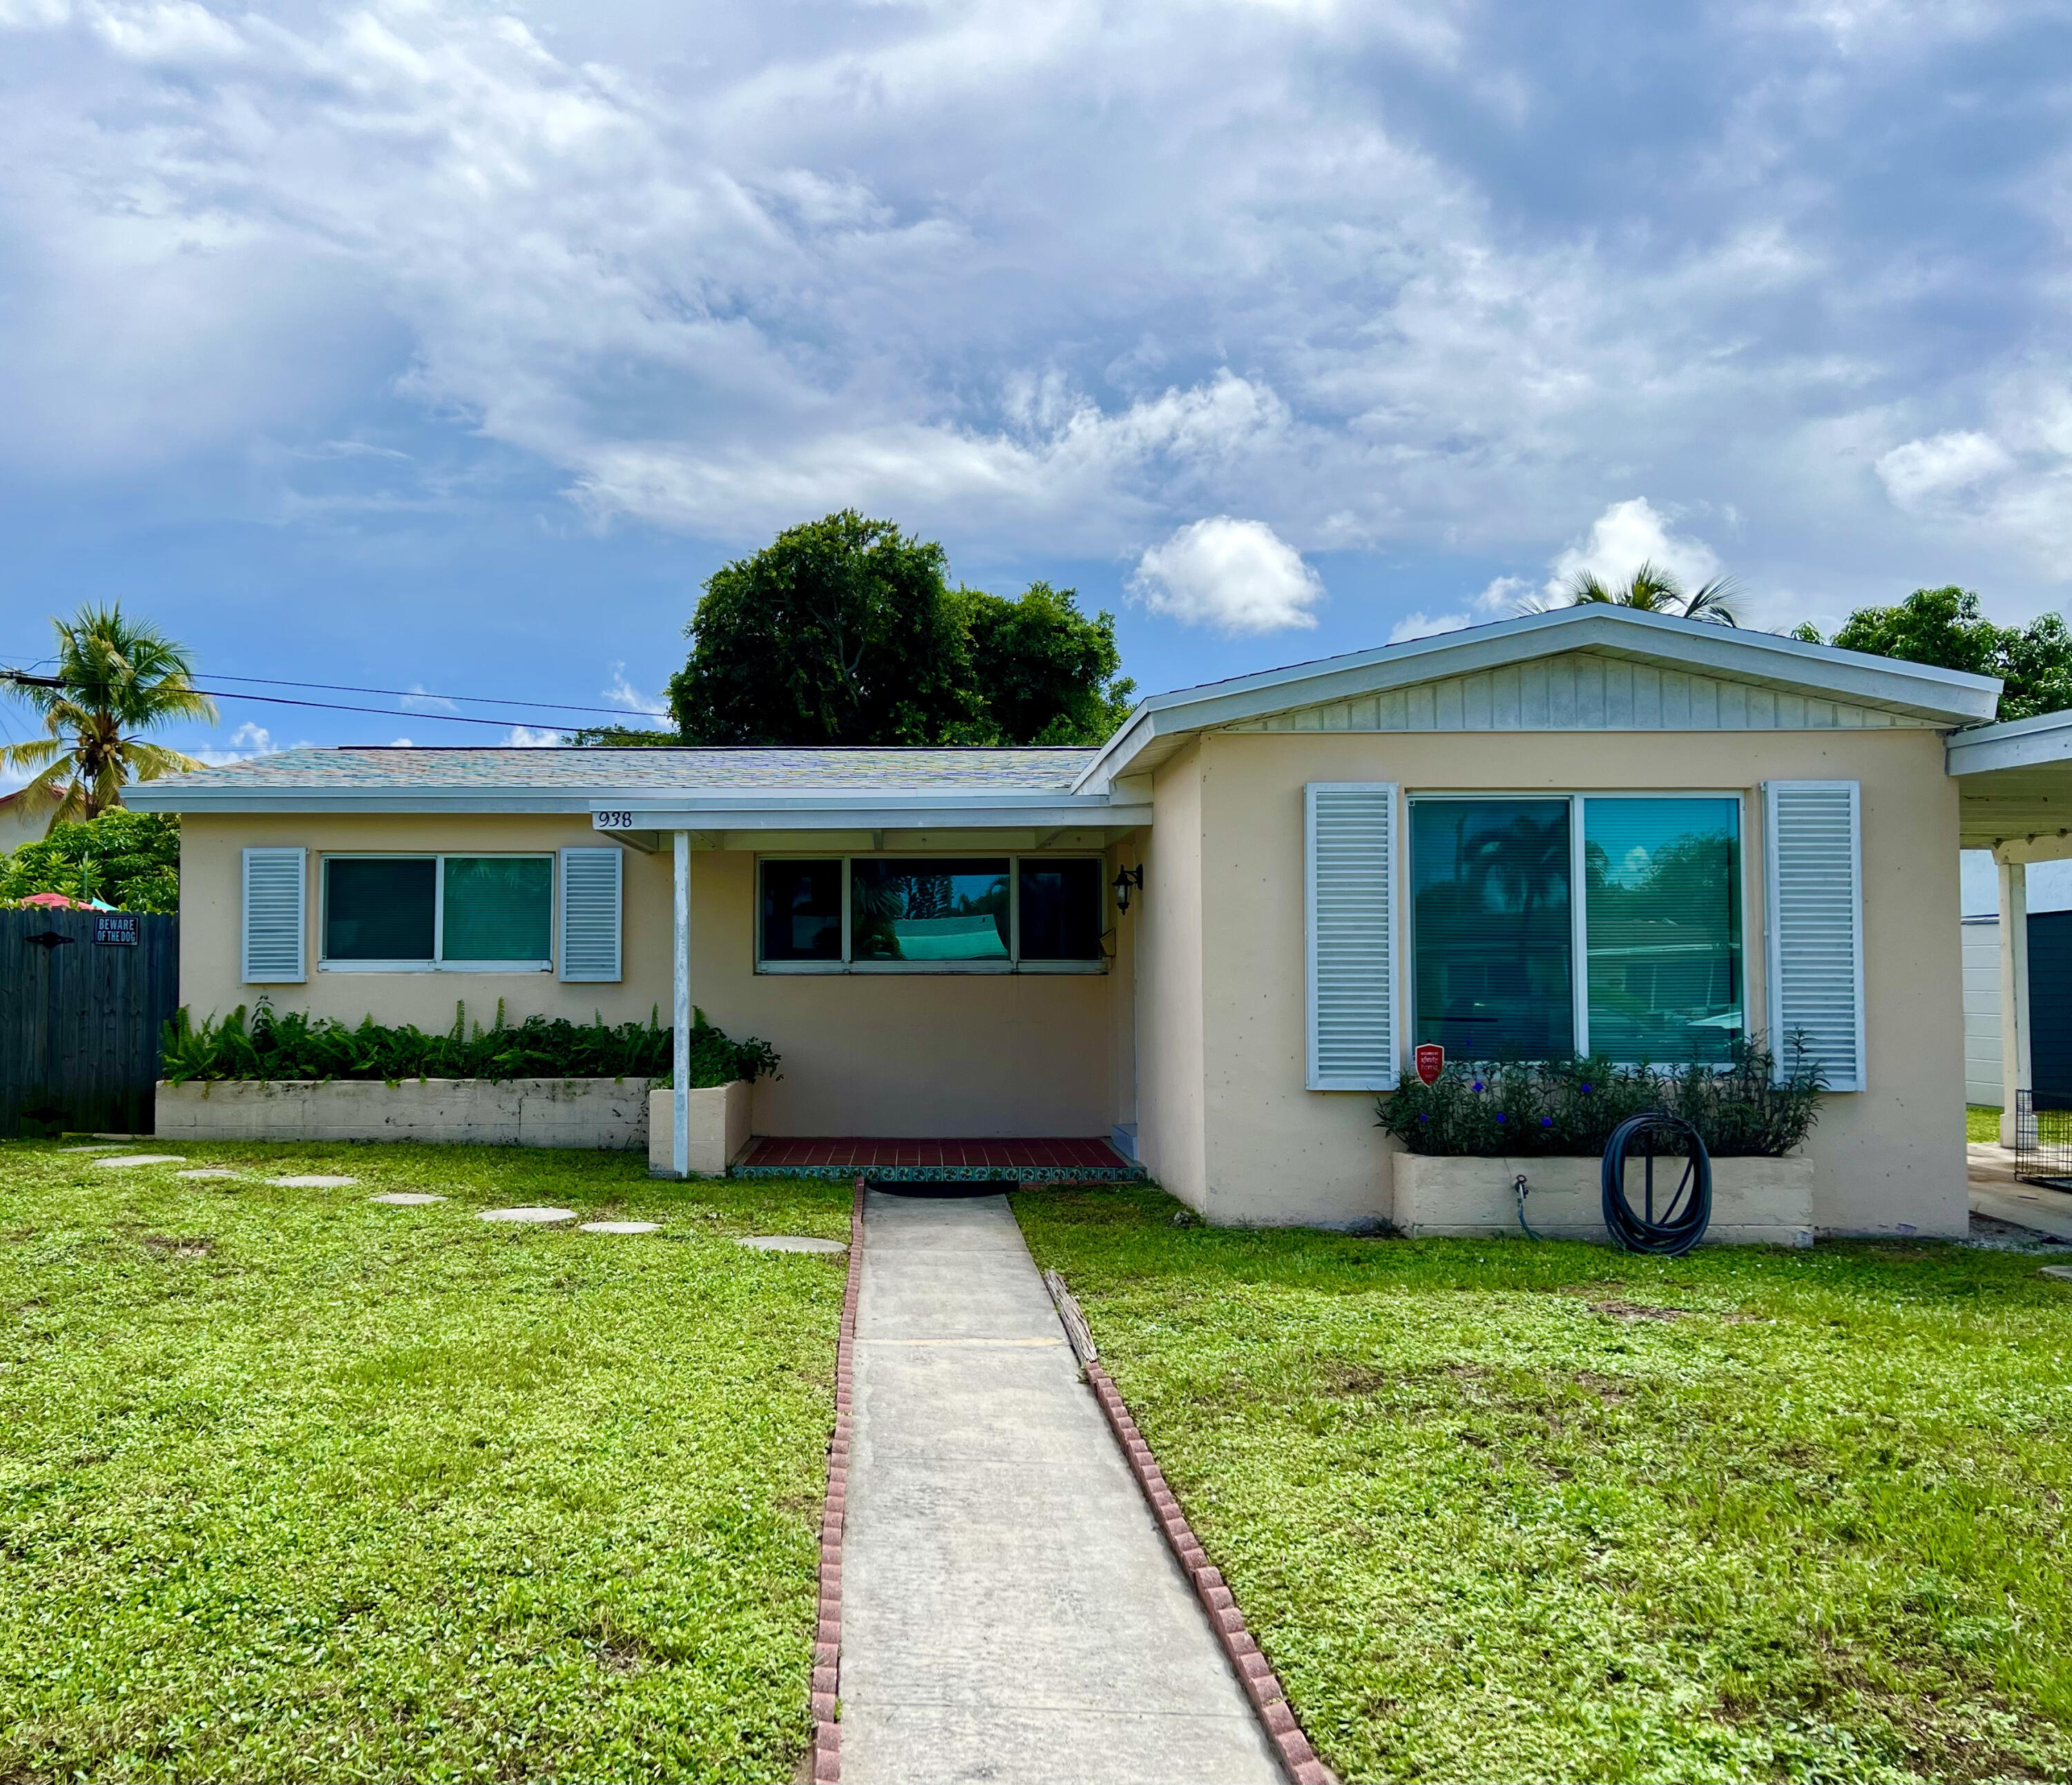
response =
{"points": [[291, 1045], [1571, 1106], [130, 860]]}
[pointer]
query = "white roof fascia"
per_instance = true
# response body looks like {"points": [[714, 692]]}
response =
{"points": [[2017, 743], [862, 810], [1949, 696]]}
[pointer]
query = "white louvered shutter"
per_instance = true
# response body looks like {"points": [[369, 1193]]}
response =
{"points": [[591, 880], [1349, 829], [275, 923], [1813, 833]]}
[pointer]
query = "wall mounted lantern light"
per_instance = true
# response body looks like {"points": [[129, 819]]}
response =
{"points": [[1124, 879]]}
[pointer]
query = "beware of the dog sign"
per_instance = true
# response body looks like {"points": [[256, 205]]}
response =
{"points": [[1430, 1059], [116, 929]]}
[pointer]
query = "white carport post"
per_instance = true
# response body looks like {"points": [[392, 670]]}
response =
{"points": [[680, 1099], [2014, 990]]}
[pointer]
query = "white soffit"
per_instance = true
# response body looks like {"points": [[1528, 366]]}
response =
{"points": [[2014, 786], [1690, 649]]}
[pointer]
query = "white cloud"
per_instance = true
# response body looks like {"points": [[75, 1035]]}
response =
{"points": [[1624, 536], [402, 743], [1238, 576], [717, 276], [622, 692], [418, 701], [247, 741], [1502, 597], [526, 737], [1426, 625], [1943, 465]]}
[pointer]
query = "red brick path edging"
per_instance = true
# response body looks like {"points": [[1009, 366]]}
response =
{"points": [[1254, 1673], [827, 1637]]}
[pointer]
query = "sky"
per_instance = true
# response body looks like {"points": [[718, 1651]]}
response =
{"points": [[428, 345]]}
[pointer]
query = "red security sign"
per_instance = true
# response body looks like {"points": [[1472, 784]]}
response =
{"points": [[1431, 1061]]}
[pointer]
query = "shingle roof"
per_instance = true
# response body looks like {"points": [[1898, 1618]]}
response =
{"points": [[653, 770]]}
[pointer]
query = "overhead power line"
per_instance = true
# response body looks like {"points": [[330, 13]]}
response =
{"points": [[24, 679]]}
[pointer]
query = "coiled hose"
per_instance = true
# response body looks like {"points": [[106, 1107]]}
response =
{"points": [[1683, 1210]]}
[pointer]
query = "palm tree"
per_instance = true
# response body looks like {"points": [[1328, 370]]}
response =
{"points": [[1657, 592], [116, 678]]}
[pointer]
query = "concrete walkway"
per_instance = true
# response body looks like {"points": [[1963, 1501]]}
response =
{"points": [[1010, 1612], [1995, 1192]]}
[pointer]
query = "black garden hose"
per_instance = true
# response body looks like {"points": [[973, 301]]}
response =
{"points": [[1673, 1220]]}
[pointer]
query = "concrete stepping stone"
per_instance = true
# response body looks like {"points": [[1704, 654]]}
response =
{"points": [[208, 1171], [314, 1181], [406, 1198], [789, 1242], [122, 1161], [530, 1214], [2062, 1273], [622, 1226]]}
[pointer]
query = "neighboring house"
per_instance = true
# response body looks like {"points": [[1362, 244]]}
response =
{"points": [[1982, 1011], [24, 819], [1593, 827]]}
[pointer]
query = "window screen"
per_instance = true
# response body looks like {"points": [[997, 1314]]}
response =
{"points": [[378, 907], [802, 910], [498, 908], [1061, 911], [921, 910], [1662, 907], [1491, 879]]}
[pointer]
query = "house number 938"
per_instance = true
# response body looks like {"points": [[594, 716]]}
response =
{"points": [[611, 820]]}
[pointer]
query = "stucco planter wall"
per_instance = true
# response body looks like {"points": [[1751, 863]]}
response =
{"points": [[608, 1114], [1755, 1202], [719, 1130]]}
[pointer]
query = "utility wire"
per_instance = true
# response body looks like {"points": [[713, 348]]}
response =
{"points": [[22, 679]]}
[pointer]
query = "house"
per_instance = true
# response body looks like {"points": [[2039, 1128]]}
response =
{"points": [[1591, 828]]}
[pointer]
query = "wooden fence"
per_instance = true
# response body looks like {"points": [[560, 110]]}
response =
{"points": [[80, 1008]]}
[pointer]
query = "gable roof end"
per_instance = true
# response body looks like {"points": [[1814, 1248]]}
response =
{"points": [[1917, 691]]}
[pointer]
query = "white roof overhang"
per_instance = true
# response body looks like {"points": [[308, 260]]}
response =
{"points": [[2014, 786], [1916, 691], [745, 809]]}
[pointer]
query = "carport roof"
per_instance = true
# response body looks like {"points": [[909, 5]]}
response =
{"points": [[2014, 786]]}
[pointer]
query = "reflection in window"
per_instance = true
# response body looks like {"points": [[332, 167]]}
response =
{"points": [[1491, 880], [802, 910], [1061, 911], [950, 909], [1663, 910]]}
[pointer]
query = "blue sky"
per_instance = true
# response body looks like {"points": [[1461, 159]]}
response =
{"points": [[448, 346]]}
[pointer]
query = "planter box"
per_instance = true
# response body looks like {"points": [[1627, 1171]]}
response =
{"points": [[607, 1115], [719, 1130], [1755, 1202]]}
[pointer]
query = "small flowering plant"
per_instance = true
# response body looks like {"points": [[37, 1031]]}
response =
{"points": [[1570, 1106]]}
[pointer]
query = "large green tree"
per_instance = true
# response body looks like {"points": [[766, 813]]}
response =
{"points": [[116, 679], [1946, 627], [130, 860], [847, 630]]}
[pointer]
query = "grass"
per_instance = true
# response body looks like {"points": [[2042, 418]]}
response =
{"points": [[1982, 1124], [297, 1486], [1500, 1511]]}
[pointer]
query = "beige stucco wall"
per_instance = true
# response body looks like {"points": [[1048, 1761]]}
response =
{"points": [[1171, 1139], [940, 1055], [1256, 1145]]}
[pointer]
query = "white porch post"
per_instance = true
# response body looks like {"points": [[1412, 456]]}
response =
{"points": [[2014, 992], [680, 1099]]}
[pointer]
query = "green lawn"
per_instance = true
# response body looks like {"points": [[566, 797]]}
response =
{"points": [[1500, 1511], [1982, 1123], [297, 1486]]}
